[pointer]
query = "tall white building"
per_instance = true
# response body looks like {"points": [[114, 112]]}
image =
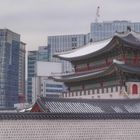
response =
{"points": [[42, 85]]}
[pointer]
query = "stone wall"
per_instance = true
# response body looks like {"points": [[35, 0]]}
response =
{"points": [[70, 129]]}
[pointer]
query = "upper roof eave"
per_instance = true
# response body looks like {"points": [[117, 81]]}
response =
{"points": [[84, 51]]}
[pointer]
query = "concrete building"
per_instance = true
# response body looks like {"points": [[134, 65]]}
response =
{"points": [[42, 85], [103, 30], [42, 54], [12, 68]]}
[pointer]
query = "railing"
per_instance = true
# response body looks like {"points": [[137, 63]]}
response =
{"points": [[96, 91]]}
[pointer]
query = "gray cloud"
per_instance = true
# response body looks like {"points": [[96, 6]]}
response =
{"points": [[36, 19]]}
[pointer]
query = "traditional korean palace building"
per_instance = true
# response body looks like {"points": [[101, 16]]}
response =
{"points": [[105, 69]]}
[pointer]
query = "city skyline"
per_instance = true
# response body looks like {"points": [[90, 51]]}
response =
{"points": [[35, 20]]}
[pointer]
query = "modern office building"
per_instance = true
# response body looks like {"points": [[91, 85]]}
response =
{"points": [[42, 54], [103, 30], [63, 43], [21, 78], [12, 68], [42, 85], [32, 58]]}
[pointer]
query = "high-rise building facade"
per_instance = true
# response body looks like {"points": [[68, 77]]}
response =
{"points": [[62, 43], [21, 84], [42, 54], [11, 68], [103, 30]]}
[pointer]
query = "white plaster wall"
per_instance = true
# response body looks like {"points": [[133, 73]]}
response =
{"points": [[115, 95], [119, 94], [69, 130]]}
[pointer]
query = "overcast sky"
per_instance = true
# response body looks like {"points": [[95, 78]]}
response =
{"points": [[37, 19]]}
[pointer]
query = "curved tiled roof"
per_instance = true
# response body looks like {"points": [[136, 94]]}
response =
{"points": [[84, 50], [90, 106], [130, 39], [122, 67]]}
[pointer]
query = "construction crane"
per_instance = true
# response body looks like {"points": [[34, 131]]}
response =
{"points": [[97, 14]]}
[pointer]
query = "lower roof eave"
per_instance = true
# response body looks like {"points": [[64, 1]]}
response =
{"points": [[113, 68]]}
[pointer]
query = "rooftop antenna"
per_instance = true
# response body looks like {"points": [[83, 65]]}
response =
{"points": [[97, 14]]}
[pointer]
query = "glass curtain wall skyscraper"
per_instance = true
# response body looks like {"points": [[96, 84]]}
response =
{"points": [[10, 67], [21, 77]]}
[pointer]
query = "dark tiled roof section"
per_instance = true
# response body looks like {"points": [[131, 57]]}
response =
{"points": [[129, 68], [111, 69], [7, 108], [131, 40], [68, 116], [41, 104], [100, 106]]}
